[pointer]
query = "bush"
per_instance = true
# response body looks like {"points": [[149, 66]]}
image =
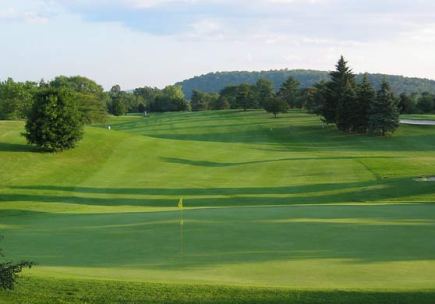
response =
{"points": [[9, 272], [54, 122]]}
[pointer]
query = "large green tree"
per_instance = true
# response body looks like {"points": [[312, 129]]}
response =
{"points": [[16, 98], [263, 90], [88, 95], [426, 103], [275, 105], [342, 79], [384, 113], [346, 108], [147, 95], [229, 95], [365, 95], [118, 103], [171, 99], [54, 122], [407, 103], [201, 101], [314, 98], [290, 93], [245, 97]]}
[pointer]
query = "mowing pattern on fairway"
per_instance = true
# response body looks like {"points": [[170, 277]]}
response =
{"points": [[269, 202]]}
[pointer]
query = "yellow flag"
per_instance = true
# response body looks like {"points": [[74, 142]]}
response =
{"points": [[180, 203]]}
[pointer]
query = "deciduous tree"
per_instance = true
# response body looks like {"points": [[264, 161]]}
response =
{"points": [[54, 122], [275, 105]]}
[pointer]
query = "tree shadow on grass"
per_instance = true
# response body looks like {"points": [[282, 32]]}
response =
{"points": [[204, 163], [369, 191], [8, 147]]}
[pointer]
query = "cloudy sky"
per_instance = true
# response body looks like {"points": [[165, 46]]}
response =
{"points": [[159, 42]]}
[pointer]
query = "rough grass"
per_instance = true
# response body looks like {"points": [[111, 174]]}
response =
{"points": [[31, 291], [277, 203]]}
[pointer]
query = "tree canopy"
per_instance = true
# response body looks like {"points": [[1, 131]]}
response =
{"points": [[275, 105], [54, 122]]}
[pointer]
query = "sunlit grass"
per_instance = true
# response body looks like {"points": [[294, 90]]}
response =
{"points": [[268, 202]]}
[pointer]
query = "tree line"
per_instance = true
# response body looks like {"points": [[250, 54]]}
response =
{"points": [[93, 103], [215, 82], [57, 110]]}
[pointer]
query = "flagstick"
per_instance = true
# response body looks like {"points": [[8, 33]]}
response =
{"points": [[181, 232]]}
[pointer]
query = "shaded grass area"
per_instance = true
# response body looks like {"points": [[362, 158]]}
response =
{"points": [[43, 291], [390, 190], [331, 247], [418, 116]]}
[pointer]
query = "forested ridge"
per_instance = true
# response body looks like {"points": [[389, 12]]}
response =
{"points": [[215, 82]]}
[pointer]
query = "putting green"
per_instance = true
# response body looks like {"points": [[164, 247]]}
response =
{"points": [[268, 202]]}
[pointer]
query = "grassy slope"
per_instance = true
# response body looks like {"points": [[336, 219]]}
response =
{"points": [[282, 203]]}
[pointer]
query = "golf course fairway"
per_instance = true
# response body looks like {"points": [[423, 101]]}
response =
{"points": [[284, 208]]}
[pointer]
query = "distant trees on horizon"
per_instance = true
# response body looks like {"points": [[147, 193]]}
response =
{"points": [[93, 103]]}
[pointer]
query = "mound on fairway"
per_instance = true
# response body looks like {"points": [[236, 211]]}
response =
{"points": [[278, 203]]}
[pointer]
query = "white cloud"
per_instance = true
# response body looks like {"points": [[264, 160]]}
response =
{"points": [[108, 41]]}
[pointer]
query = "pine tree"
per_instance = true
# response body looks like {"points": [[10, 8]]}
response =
{"points": [[341, 79], [384, 112], [346, 107], [365, 97]]}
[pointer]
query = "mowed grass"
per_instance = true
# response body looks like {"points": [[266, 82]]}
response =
{"points": [[275, 203]]}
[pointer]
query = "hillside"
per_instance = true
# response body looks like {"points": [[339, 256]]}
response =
{"points": [[269, 204], [214, 82]]}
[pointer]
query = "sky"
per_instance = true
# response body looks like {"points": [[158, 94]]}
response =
{"points": [[135, 43]]}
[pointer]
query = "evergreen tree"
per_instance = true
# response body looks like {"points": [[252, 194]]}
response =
{"points": [[346, 108], [54, 122], [289, 92], [342, 79], [384, 112], [365, 97]]}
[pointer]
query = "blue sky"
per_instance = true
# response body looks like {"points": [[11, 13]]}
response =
{"points": [[158, 42]]}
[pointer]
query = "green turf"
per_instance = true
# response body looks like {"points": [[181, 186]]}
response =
{"points": [[55, 291], [419, 116], [279, 203]]}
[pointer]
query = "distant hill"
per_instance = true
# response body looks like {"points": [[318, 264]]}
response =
{"points": [[214, 82]]}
